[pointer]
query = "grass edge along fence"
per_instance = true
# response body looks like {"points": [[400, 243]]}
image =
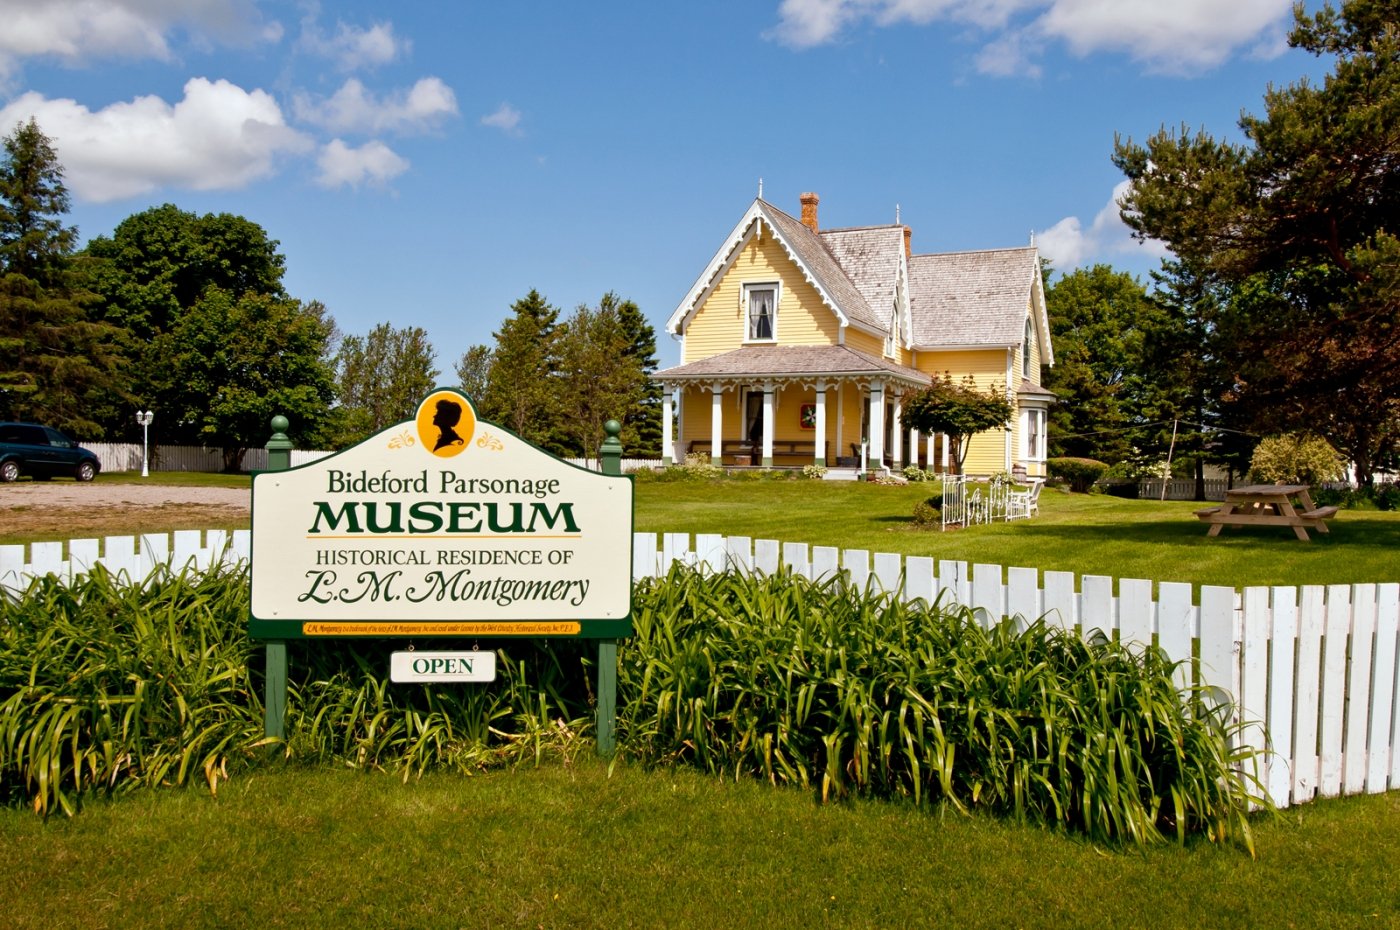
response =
{"points": [[109, 686]]}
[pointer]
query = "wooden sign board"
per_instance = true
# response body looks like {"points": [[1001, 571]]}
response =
{"points": [[444, 525]]}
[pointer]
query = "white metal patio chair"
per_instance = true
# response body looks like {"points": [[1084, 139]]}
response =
{"points": [[1022, 505]]}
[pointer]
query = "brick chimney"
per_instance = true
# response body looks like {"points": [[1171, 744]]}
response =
{"points": [[908, 234], [809, 210]]}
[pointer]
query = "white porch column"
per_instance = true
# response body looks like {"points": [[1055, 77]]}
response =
{"points": [[932, 443], [877, 422], [716, 424], [913, 447], [768, 424], [896, 436], [820, 453], [668, 451], [946, 457]]}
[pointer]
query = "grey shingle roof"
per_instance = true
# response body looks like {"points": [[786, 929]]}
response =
{"points": [[823, 265], [870, 257], [791, 361], [971, 298]]}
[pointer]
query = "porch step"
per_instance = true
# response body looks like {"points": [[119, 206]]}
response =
{"points": [[841, 474]]}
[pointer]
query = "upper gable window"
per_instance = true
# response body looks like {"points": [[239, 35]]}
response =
{"points": [[761, 312]]}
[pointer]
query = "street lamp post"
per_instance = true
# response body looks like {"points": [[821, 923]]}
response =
{"points": [[144, 417]]}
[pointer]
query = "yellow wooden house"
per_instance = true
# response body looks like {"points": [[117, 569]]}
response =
{"points": [[799, 345]]}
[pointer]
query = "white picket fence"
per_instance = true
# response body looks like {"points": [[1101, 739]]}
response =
{"points": [[133, 557], [1314, 671]]}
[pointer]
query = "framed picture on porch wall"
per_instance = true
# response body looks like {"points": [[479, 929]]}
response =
{"points": [[807, 416]]}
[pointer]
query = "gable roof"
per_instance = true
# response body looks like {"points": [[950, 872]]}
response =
{"points": [[975, 298], [871, 257], [811, 256], [955, 299]]}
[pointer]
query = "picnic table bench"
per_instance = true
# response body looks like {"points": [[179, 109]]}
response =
{"points": [[1271, 505]]}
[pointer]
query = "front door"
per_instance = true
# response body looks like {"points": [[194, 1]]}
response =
{"points": [[753, 426]]}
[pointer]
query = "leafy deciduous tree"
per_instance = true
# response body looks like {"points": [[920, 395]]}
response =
{"points": [[958, 410], [380, 378], [235, 362]]}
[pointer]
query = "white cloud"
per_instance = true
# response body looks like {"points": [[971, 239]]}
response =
{"points": [[1068, 244], [352, 48], [506, 118], [353, 109], [373, 163], [1180, 36], [76, 31], [1011, 55], [219, 136]]}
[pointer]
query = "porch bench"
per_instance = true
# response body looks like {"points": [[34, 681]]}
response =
{"points": [[743, 451]]}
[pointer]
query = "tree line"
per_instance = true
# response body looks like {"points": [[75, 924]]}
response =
{"points": [[1279, 310], [188, 315]]}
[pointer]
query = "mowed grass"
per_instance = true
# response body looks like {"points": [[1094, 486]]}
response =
{"points": [[573, 846], [1091, 534], [1082, 533]]}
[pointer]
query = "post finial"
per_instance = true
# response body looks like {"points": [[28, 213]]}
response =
{"points": [[760, 188]]}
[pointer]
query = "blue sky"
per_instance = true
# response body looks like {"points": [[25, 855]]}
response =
{"points": [[429, 163]]}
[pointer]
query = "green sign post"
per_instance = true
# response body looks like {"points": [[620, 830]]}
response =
{"points": [[444, 525]]}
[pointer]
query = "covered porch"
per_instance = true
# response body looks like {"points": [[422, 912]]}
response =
{"points": [[791, 406]]}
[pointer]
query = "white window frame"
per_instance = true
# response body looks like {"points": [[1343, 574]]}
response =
{"points": [[750, 286], [1038, 417]]}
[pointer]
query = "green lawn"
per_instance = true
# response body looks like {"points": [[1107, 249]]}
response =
{"points": [[191, 479], [1086, 534], [568, 846]]}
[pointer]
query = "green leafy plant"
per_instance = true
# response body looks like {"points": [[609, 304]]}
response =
{"points": [[929, 513], [1079, 473], [844, 693], [1296, 458]]}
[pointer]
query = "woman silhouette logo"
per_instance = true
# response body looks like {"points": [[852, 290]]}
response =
{"points": [[445, 423]]}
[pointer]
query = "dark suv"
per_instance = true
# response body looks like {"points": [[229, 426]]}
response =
{"points": [[42, 452]]}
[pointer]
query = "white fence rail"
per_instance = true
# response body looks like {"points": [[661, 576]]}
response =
{"points": [[1314, 670], [1182, 489], [126, 456], [135, 557]]}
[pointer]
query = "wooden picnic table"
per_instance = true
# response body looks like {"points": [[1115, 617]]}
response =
{"points": [[1268, 504]]}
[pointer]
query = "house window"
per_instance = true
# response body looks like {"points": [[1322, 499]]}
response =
{"points": [[761, 301], [1035, 435]]}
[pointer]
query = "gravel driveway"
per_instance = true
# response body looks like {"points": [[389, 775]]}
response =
{"points": [[74, 494]]}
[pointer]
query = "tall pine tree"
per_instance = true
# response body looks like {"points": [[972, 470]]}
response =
{"points": [[53, 359], [521, 387], [641, 424]]}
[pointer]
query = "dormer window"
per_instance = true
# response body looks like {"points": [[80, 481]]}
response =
{"points": [[762, 303]]}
